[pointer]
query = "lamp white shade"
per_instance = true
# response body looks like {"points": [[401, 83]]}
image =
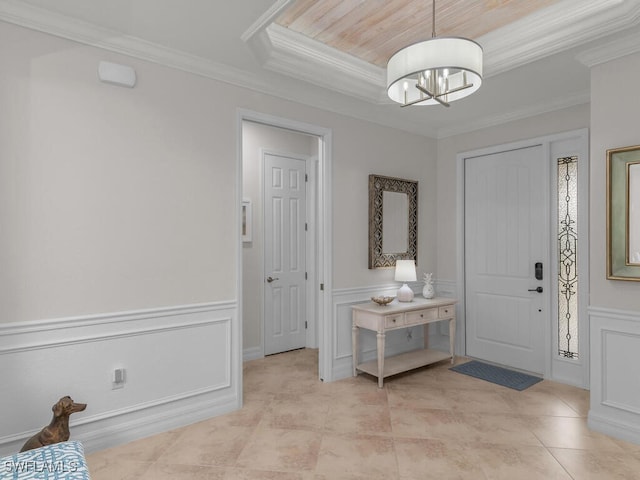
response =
{"points": [[405, 271], [460, 56]]}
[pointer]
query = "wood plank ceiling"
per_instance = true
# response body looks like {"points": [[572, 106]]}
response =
{"points": [[373, 30]]}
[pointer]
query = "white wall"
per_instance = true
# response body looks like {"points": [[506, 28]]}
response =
{"points": [[119, 230], [111, 198], [615, 305]]}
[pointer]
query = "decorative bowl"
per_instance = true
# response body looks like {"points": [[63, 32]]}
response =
{"points": [[383, 300]]}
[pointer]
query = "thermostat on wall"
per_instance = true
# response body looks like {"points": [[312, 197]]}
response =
{"points": [[117, 74]]}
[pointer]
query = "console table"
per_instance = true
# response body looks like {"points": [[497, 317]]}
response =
{"points": [[397, 315]]}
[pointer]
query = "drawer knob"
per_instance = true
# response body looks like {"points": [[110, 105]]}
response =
{"points": [[421, 315], [394, 320]]}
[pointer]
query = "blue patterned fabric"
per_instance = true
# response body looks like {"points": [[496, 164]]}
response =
{"points": [[60, 461]]}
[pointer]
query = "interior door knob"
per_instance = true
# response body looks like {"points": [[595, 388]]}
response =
{"points": [[270, 279], [539, 289]]}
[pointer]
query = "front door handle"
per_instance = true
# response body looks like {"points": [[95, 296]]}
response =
{"points": [[538, 289], [269, 279]]}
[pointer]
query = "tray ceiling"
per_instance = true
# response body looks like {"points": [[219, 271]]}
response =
{"points": [[373, 30]]}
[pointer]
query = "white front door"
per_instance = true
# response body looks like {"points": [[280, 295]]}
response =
{"points": [[285, 257], [506, 233]]}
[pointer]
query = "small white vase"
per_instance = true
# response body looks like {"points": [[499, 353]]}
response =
{"points": [[428, 291]]}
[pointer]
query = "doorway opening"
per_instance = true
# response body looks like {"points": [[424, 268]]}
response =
{"points": [[285, 265], [522, 251]]}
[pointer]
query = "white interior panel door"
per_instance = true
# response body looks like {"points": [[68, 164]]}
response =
{"points": [[284, 220], [506, 230]]}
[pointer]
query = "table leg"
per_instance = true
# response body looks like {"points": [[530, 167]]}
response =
{"points": [[354, 348], [425, 327], [452, 338], [380, 359]]}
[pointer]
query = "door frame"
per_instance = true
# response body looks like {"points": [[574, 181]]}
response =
{"points": [[311, 292], [322, 238], [564, 371]]}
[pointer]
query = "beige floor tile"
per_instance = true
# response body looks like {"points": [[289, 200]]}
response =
{"points": [[281, 450], [358, 457], [568, 432], [416, 396], [598, 465], [161, 471], [502, 462], [297, 411], [478, 401], [422, 458], [576, 398], [362, 419], [505, 429], [248, 474], [530, 402], [454, 426], [207, 443], [106, 466], [428, 423], [144, 450]]}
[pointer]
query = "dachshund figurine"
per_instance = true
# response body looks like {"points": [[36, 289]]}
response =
{"points": [[58, 430]]}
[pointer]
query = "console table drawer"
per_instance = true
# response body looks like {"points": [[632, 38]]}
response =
{"points": [[392, 321], [446, 312], [421, 316]]}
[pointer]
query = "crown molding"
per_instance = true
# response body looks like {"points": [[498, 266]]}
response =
{"points": [[553, 30], [266, 19], [45, 21], [552, 105], [611, 51], [306, 59]]}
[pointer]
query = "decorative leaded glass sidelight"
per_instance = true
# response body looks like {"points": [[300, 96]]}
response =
{"points": [[568, 257]]}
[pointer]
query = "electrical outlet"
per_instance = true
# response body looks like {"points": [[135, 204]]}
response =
{"points": [[118, 378]]}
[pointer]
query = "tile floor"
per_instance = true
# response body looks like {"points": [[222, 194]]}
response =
{"points": [[430, 423]]}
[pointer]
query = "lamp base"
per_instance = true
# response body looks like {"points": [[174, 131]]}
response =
{"points": [[405, 294]]}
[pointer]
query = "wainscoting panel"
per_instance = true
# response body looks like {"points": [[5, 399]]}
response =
{"points": [[178, 365], [615, 384]]}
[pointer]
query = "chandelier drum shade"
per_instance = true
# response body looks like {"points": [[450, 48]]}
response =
{"points": [[435, 71]]}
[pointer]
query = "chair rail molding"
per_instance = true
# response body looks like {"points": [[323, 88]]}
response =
{"points": [[179, 364]]}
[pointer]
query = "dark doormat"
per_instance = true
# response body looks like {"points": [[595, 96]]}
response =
{"points": [[499, 375]]}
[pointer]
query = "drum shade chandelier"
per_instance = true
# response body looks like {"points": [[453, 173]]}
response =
{"points": [[435, 71]]}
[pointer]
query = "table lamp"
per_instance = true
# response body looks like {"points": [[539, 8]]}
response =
{"points": [[405, 272]]}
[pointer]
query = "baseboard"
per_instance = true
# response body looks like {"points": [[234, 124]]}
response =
{"points": [[608, 426], [180, 365], [252, 353]]}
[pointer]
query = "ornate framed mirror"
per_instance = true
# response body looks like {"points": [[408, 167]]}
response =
{"points": [[393, 221]]}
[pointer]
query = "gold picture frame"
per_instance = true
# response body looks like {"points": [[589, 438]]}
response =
{"points": [[623, 213]]}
